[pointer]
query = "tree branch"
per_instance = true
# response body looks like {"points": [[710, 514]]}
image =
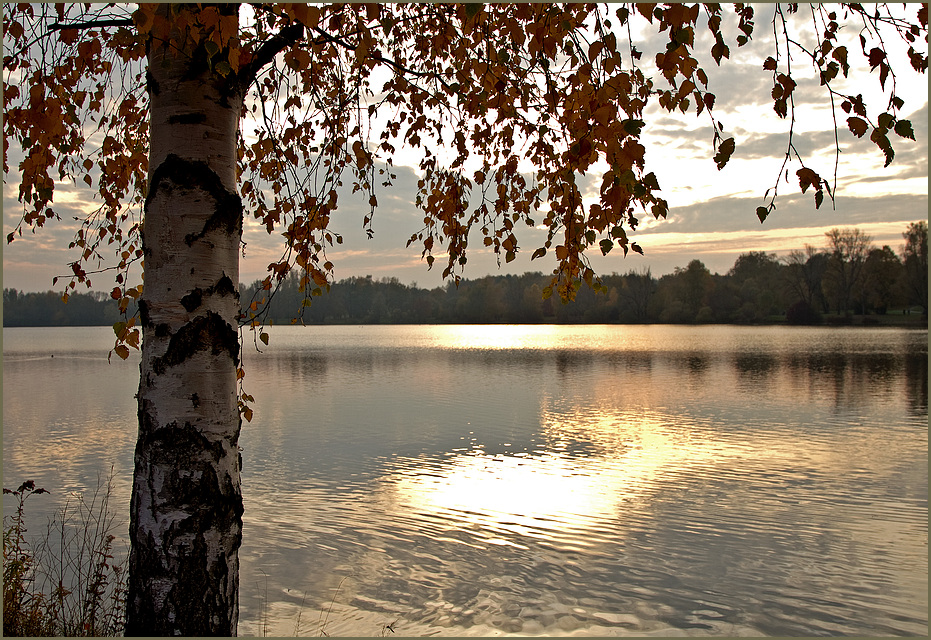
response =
{"points": [[287, 37], [380, 58], [123, 22]]}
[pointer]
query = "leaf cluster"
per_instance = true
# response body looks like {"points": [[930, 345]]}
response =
{"points": [[830, 61]]}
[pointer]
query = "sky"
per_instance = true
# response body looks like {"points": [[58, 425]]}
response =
{"points": [[712, 213]]}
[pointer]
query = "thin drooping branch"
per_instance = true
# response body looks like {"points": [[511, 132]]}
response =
{"points": [[380, 58]]}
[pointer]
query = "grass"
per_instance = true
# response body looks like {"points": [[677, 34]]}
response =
{"points": [[70, 583]]}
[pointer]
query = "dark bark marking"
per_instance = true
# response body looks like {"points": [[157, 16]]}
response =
{"points": [[192, 300], [223, 287], [194, 117], [195, 400], [194, 174], [144, 312], [150, 82], [205, 332]]}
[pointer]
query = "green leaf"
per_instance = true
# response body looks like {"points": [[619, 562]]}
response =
{"points": [[472, 9], [263, 337], [606, 246], [212, 48], [886, 121], [633, 127], [762, 213], [904, 129]]}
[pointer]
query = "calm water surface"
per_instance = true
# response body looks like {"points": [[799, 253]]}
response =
{"points": [[596, 480]]}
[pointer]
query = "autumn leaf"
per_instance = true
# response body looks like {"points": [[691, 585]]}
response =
{"points": [[807, 178], [876, 57], [840, 54], [879, 138], [858, 126], [725, 150]]}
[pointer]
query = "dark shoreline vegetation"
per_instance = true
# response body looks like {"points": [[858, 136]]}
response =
{"points": [[759, 289], [71, 579]]}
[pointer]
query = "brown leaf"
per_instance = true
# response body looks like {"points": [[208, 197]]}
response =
{"points": [[807, 178], [857, 126], [725, 150]]}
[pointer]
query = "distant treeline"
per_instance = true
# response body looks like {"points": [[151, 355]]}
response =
{"points": [[848, 276], [46, 309]]}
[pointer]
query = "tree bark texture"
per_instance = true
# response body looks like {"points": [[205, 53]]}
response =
{"points": [[186, 507]]}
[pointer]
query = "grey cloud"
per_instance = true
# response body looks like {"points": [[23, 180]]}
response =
{"points": [[792, 211]]}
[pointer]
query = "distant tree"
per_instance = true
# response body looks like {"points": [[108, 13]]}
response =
{"points": [[845, 275], [804, 275], [684, 293], [726, 303], [915, 257], [695, 284], [757, 277], [882, 274], [532, 304], [146, 101], [802, 313], [637, 288]]}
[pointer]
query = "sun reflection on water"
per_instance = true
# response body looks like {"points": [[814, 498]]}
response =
{"points": [[564, 492], [498, 337]]}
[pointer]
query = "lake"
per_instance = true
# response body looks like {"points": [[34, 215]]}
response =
{"points": [[539, 480]]}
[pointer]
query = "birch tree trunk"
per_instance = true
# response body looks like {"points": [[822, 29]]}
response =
{"points": [[186, 508]]}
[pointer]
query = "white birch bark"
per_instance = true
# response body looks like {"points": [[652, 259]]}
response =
{"points": [[186, 512]]}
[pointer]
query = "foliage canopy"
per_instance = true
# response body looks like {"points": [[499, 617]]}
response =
{"points": [[480, 90]]}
